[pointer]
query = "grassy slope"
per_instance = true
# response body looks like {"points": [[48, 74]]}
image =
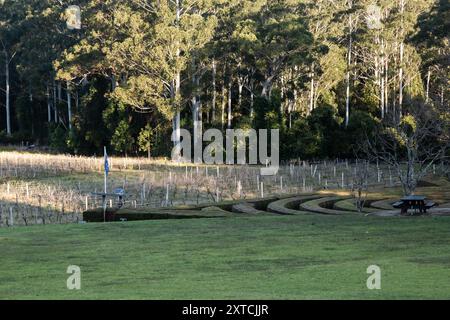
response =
{"points": [[270, 257]]}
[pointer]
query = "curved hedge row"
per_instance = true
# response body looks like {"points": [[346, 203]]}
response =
{"points": [[302, 204], [349, 205], [323, 205], [247, 208], [96, 215], [290, 205]]}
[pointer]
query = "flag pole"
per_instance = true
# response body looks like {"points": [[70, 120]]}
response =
{"points": [[104, 155], [104, 195]]}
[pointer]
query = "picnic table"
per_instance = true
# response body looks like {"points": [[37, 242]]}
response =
{"points": [[414, 202], [118, 193]]}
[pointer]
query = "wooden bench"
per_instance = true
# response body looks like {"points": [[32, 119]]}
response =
{"points": [[430, 205], [398, 204]]}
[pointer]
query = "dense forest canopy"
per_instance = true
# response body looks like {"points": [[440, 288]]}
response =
{"points": [[323, 72]]}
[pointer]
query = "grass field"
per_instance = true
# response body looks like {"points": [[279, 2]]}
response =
{"points": [[260, 257], [220, 252]]}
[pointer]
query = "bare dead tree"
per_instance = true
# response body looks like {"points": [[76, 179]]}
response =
{"points": [[360, 184], [411, 145]]}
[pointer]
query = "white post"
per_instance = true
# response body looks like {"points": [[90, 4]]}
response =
{"points": [[143, 191], [281, 183], [239, 188], [167, 194], [262, 189]]}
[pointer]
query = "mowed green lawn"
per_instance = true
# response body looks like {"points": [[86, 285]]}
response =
{"points": [[270, 257]]}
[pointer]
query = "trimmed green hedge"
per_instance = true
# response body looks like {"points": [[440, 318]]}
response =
{"points": [[247, 208], [96, 215], [222, 209], [323, 205], [290, 205]]}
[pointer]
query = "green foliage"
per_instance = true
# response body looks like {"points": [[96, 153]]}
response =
{"points": [[122, 140], [267, 113], [89, 129], [145, 139], [58, 137], [301, 141], [326, 125], [284, 64], [362, 126]]}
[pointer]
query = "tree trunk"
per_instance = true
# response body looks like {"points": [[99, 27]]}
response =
{"points": [[177, 116], [283, 89], [7, 91], [214, 72], [59, 91], [49, 110], [222, 121], [266, 89], [30, 96], [311, 90], [386, 84], [240, 87], [428, 85], [197, 119], [77, 101], [175, 92], [113, 83], [400, 72], [69, 106], [400, 84], [252, 103], [349, 61], [382, 108], [55, 102]]}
